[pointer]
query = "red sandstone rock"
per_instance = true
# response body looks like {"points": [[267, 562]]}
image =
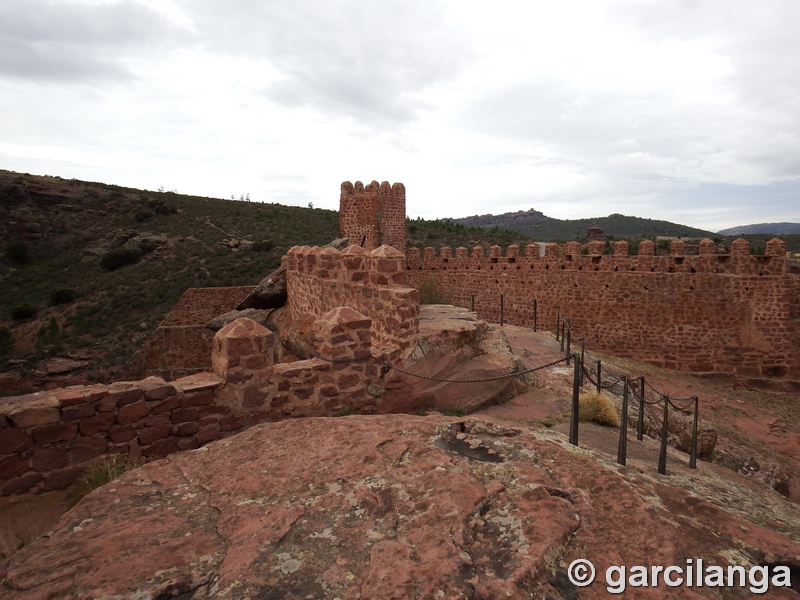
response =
{"points": [[31, 410], [380, 507], [454, 344], [54, 432], [14, 440], [80, 411], [100, 422], [132, 412], [85, 448], [269, 293], [155, 388], [259, 316], [238, 340]]}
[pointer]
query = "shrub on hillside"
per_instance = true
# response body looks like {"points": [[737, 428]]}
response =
{"points": [[161, 207], [120, 257], [22, 312], [62, 296], [17, 252], [143, 215], [6, 341], [263, 246], [596, 407]]}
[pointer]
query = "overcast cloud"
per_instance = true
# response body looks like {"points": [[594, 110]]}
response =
{"points": [[686, 111]]}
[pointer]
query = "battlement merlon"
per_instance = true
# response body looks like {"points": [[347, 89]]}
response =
{"points": [[590, 257]]}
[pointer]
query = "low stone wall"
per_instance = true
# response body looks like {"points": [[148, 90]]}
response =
{"points": [[46, 438], [372, 283]]}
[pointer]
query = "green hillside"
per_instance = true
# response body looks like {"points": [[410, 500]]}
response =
{"points": [[545, 229]]}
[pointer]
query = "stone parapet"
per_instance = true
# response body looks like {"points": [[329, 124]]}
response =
{"points": [[373, 283], [590, 257], [731, 313]]}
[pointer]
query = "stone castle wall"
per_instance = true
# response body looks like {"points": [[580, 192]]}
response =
{"points": [[47, 438], [373, 283], [733, 313], [374, 215], [181, 345]]}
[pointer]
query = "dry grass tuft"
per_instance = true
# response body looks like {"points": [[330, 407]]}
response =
{"points": [[432, 292], [597, 408], [102, 470]]}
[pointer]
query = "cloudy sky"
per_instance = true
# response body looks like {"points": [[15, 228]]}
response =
{"points": [[685, 110]]}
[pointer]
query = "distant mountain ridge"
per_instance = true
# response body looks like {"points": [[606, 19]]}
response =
{"points": [[545, 229], [763, 229]]}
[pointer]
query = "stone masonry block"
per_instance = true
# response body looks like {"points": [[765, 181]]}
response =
{"points": [[49, 458], [123, 392], [96, 424], [155, 388], [86, 448], [33, 410], [54, 432], [14, 440], [81, 411], [12, 466], [132, 412], [239, 339]]}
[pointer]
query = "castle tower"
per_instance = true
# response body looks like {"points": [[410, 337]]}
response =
{"points": [[373, 215]]}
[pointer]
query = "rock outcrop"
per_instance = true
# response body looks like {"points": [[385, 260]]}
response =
{"points": [[383, 507], [259, 316], [269, 293], [454, 344]]}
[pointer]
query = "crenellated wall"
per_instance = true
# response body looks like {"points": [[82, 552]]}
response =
{"points": [[373, 283], [734, 313], [374, 215]]}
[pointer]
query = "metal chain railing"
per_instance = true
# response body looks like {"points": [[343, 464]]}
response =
{"points": [[617, 384]]}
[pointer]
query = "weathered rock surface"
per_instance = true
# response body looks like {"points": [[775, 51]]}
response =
{"points": [[259, 316], [388, 506], [454, 344], [269, 293], [56, 366]]}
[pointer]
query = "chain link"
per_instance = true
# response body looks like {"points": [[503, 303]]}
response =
{"points": [[440, 379], [481, 380]]}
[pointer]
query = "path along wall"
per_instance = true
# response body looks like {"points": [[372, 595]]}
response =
{"points": [[733, 313]]}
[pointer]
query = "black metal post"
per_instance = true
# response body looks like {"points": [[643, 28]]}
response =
{"points": [[563, 333], [573, 422], [583, 357], [473, 303], [640, 424], [599, 376], [693, 455], [622, 449], [501, 310], [558, 327], [535, 311], [662, 455]]}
